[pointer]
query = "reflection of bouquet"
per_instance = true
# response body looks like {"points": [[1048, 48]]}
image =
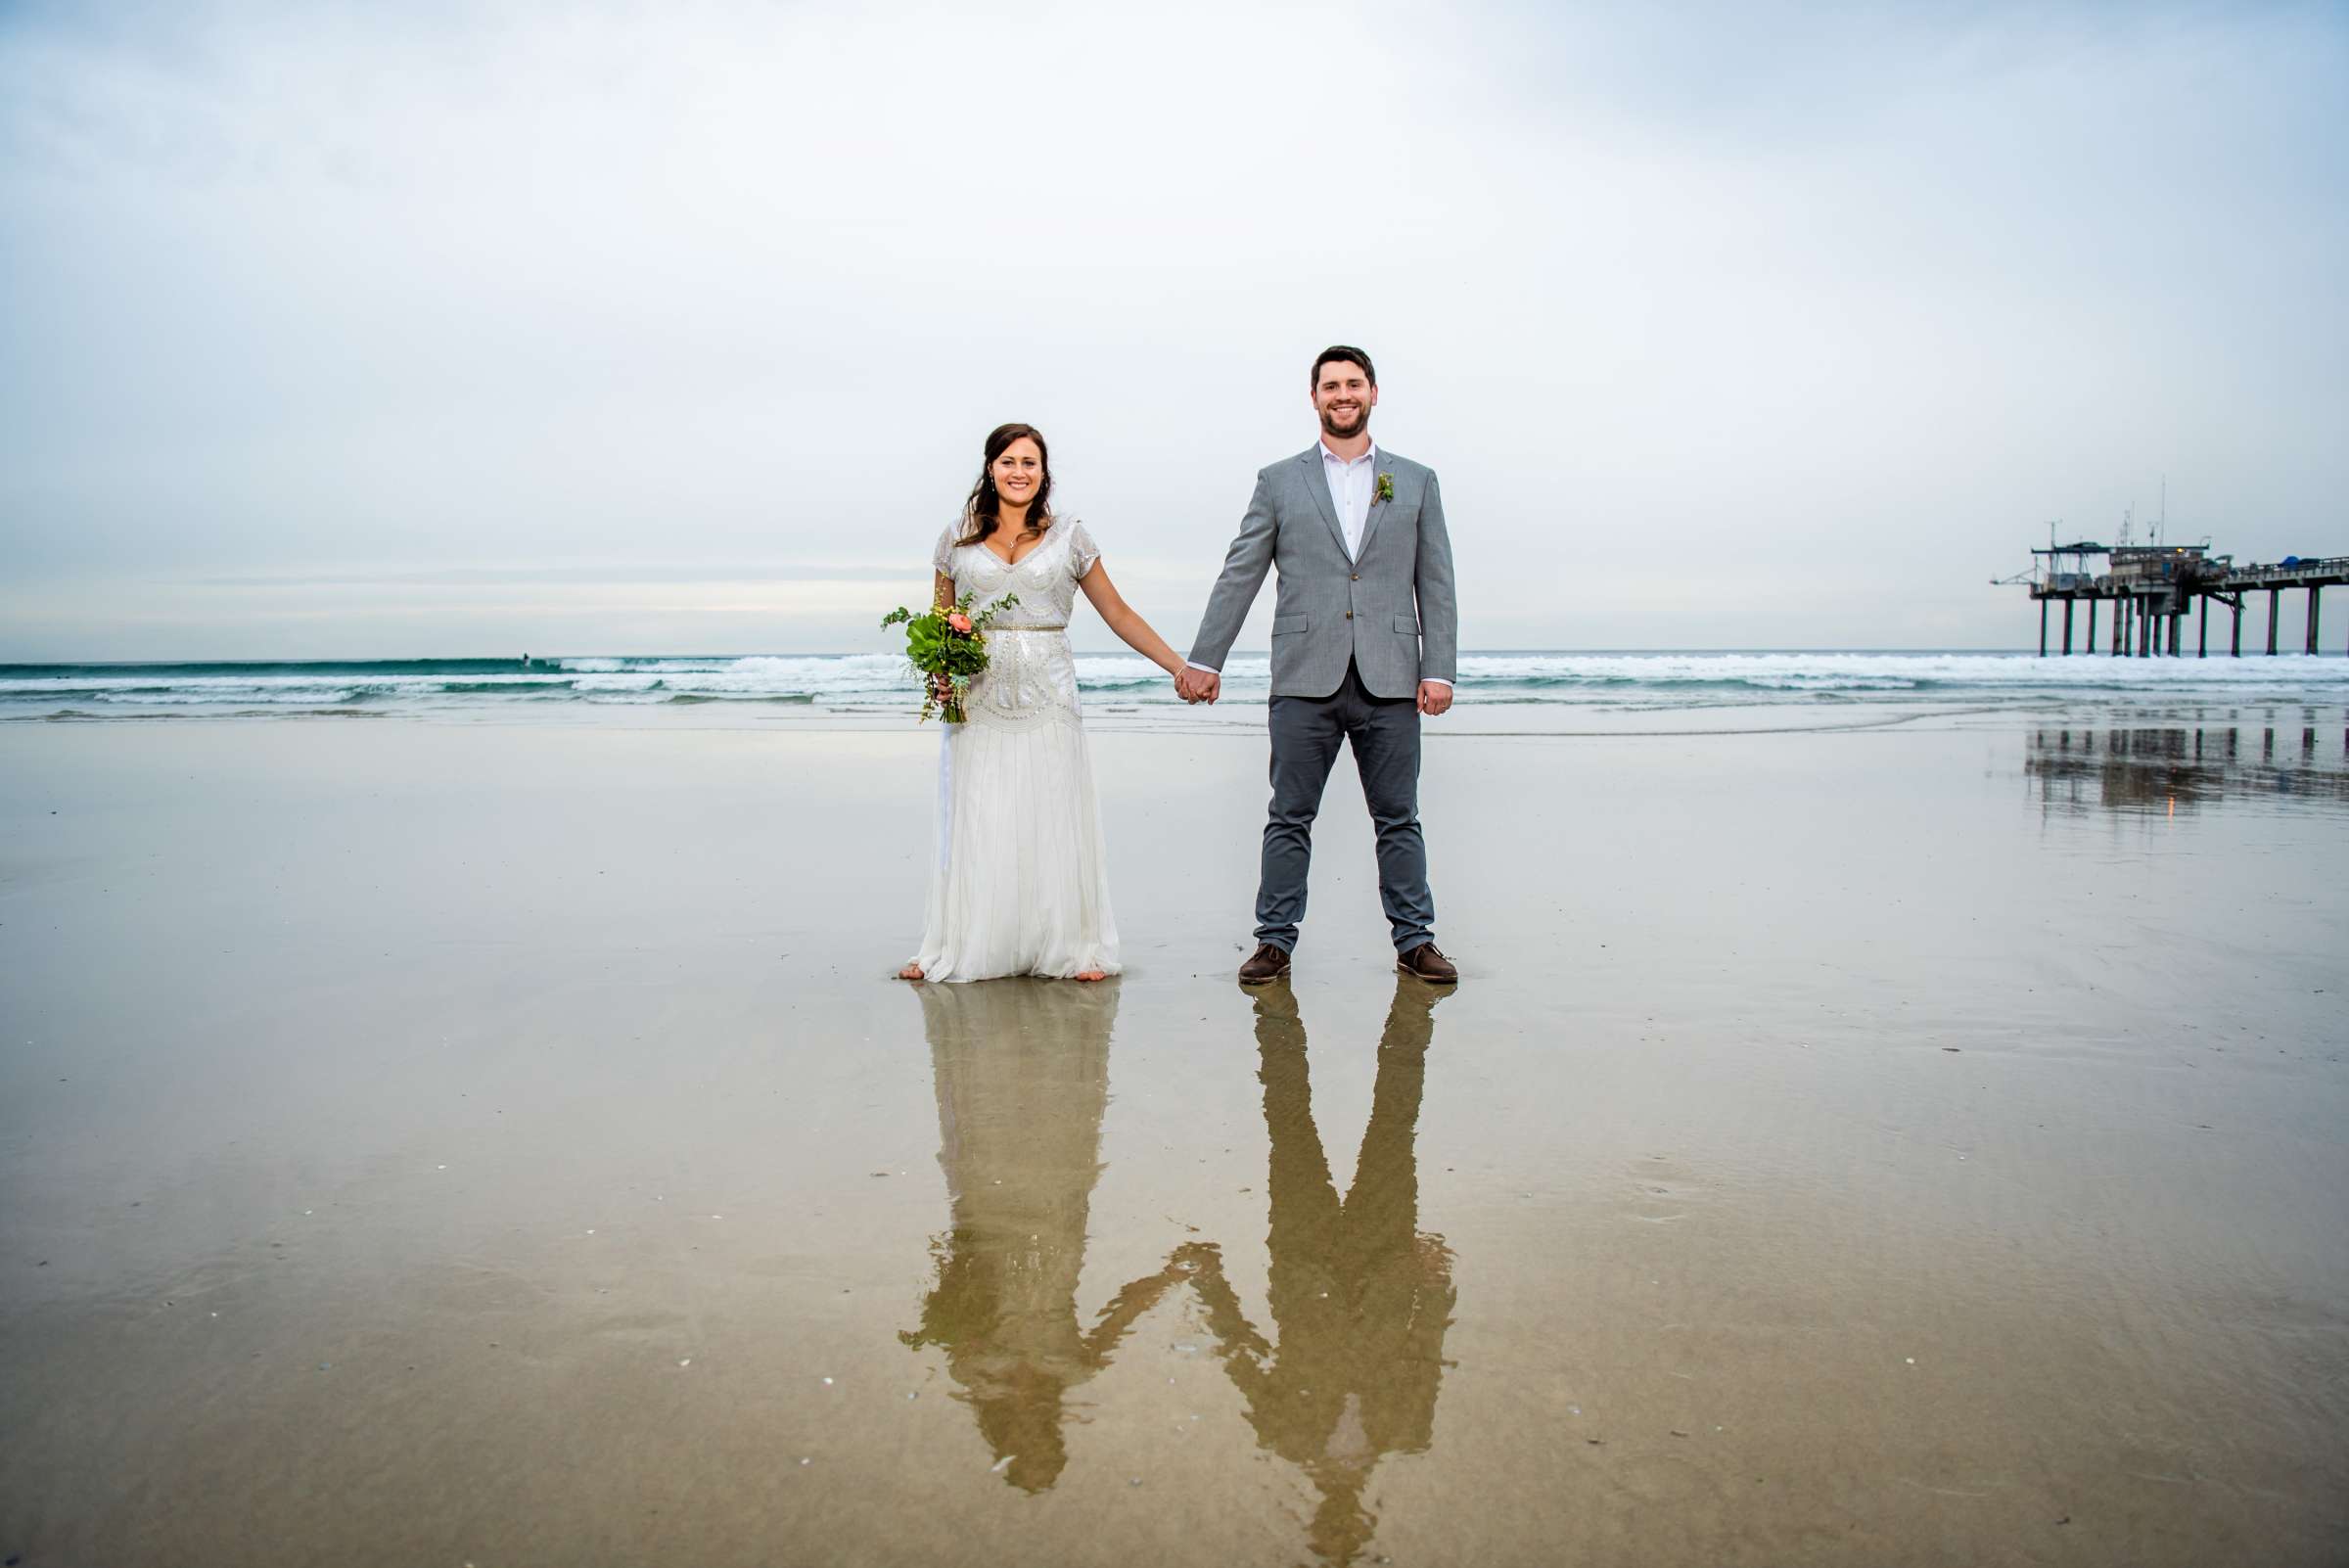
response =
{"points": [[946, 647]]}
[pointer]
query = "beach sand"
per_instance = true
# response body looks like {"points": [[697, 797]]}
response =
{"points": [[494, 1143]]}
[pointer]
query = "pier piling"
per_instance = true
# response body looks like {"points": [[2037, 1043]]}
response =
{"points": [[2275, 603]]}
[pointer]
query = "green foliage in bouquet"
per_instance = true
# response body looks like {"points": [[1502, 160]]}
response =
{"points": [[949, 643]]}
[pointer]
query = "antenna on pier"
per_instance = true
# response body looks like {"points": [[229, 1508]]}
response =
{"points": [[2128, 517]]}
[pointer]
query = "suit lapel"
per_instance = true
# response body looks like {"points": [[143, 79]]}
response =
{"points": [[1317, 482], [1378, 506]]}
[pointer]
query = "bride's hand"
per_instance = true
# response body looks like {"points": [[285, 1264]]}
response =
{"points": [[943, 687]]}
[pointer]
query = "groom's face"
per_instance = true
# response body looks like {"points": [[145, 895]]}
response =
{"points": [[1343, 396]]}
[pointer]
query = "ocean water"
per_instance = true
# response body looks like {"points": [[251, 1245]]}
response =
{"points": [[880, 684]]}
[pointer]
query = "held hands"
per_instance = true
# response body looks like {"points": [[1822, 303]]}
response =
{"points": [[1204, 687], [1197, 685]]}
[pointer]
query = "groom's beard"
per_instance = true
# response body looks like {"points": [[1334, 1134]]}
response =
{"points": [[1341, 427]]}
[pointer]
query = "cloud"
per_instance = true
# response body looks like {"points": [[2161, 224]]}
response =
{"points": [[1825, 309]]}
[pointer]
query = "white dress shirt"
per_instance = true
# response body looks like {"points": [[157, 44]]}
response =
{"points": [[1351, 484]]}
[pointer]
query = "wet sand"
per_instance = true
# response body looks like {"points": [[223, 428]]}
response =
{"points": [[445, 1142]]}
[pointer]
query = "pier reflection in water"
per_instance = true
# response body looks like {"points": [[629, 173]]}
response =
{"points": [[2288, 759], [1347, 1369]]}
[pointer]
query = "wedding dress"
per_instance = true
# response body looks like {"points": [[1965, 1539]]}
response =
{"points": [[1020, 884]]}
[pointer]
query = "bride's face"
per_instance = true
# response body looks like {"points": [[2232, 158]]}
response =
{"points": [[1019, 472]]}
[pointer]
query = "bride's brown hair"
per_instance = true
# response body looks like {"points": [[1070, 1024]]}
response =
{"points": [[981, 511]]}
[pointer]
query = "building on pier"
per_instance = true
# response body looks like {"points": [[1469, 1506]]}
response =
{"points": [[2153, 589]]}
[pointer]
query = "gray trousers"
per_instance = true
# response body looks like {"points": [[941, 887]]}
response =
{"points": [[1307, 732]]}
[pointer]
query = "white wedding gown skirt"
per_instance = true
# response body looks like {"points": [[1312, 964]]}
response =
{"points": [[1020, 881]]}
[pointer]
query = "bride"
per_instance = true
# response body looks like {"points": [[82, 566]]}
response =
{"points": [[1021, 883]]}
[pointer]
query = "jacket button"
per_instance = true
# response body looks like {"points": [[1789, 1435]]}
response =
{"points": [[1349, 615], [1357, 577]]}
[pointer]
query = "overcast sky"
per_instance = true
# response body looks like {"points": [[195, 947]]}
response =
{"points": [[424, 329]]}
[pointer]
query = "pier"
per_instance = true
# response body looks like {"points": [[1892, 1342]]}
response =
{"points": [[2155, 588]]}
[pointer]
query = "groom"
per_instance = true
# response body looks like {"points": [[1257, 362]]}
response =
{"points": [[1365, 639]]}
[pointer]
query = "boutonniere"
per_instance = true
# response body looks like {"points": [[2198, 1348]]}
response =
{"points": [[1386, 486]]}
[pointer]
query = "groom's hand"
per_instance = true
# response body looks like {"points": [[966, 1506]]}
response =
{"points": [[1197, 685], [1434, 697]]}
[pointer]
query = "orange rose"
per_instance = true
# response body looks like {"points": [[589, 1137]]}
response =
{"points": [[960, 622]]}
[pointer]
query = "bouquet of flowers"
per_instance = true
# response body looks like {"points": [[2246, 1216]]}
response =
{"points": [[946, 648]]}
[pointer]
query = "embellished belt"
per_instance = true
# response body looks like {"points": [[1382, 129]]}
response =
{"points": [[1063, 627]]}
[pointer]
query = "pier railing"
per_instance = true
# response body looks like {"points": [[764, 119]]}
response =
{"points": [[2321, 573]]}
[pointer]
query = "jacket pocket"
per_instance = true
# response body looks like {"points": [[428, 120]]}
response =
{"points": [[1409, 625], [1289, 626]]}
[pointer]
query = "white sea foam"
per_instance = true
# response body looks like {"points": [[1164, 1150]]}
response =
{"points": [[881, 682]]}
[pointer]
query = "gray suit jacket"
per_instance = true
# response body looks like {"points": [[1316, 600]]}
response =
{"points": [[1391, 610]]}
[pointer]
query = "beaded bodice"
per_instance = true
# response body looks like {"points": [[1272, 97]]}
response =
{"points": [[1031, 677], [1045, 579]]}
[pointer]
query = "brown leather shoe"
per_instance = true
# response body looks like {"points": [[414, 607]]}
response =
{"points": [[1428, 962], [1267, 962]]}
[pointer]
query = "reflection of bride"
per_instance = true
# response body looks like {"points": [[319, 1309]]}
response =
{"points": [[1023, 1077]]}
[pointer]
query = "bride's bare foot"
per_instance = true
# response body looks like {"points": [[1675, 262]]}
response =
{"points": [[911, 972], [1091, 974]]}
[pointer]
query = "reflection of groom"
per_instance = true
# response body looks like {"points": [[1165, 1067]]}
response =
{"points": [[1364, 640], [1360, 1298]]}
